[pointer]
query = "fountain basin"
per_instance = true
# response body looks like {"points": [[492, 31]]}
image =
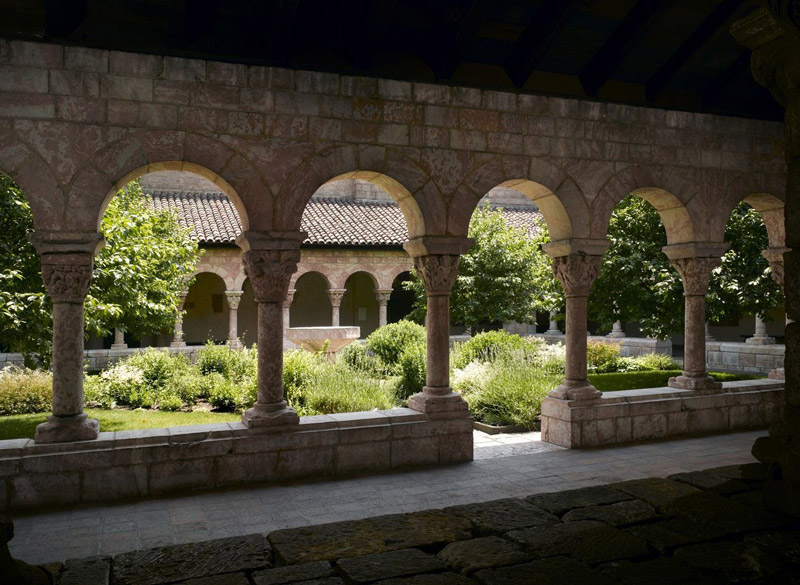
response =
{"points": [[314, 338]]}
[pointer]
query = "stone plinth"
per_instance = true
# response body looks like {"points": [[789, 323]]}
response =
{"points": [[315, 339], [128, 464], [658, 413]]}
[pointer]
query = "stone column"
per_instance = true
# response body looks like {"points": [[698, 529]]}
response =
{"points": [[576, 272], [617, 332], [67, 272], [336, 295], [760, 336], [177, 335], [270, 259], [383, 295], [775, 258], [709, 337], [287, 308], [553, 329], [233, 297], [119, 339], [772, 32], [436, 263], [695, 273]]}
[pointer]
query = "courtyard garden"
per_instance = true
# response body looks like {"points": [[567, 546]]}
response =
{"points": [[503, 377]]}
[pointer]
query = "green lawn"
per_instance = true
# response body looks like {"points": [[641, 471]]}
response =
{"points": [[21, 426], [635, 380]]}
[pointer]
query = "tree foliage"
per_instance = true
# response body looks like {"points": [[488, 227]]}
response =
{"points": [[505, 276], [636, 282], [137, 280]]}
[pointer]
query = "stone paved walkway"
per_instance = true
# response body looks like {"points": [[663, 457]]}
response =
{"points": [[505, 466]]}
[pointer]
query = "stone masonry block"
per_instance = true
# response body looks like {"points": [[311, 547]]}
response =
{"points": [[355, 457], [677, 423], [226, 73], [395, 90], [366, 87], [365, 434], [648, 426], [246, 468], [296, 103], [36, 54], [637, 408], [134, 64], [506, 143], [474, 119], [67, 461], [320, 462], [414, 451], [395, 134], [428, 93], [498, 100], [467, 140], [26, 79], [76, 83], [158, 116], [82, 59], [171, 92], [316, 82], [81, 109], [37, 490], [181, 69], [170, 476], [708, 420], [207, 95], [126, 88], [114, 483]]}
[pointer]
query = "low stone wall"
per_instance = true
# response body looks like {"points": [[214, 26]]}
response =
{"points": [[658, 413], [130, 464], [743, 357], [629, 346]]}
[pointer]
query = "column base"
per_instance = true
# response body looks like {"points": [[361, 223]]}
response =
{"points": [[554, 332], [575, 390], [279, 414], [777, 374], [65, 429], [177, 344], [685, 382], [119, 346], [759, 340], [234, 344], [616, 335], [439, 403]]}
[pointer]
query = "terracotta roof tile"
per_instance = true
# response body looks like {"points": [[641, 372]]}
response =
{"points": [[212, 218]]}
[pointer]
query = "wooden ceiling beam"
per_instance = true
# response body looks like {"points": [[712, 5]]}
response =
{"points": [[617, 46], [726, 81], [372, 17], [543, 30], [63, 18], [453, 49], [699, 38]]}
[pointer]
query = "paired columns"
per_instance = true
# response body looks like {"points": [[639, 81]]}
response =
{"points": [[177, 335], [383, 295], [694, 263], [436, 262], [233, 297], [336, 295], [270, 258], [67, 260]]}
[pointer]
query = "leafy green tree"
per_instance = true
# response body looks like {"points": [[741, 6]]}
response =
{"points": [[141, 271], [636, 282], [743, 282], [505, 276], [25, 309], [138, 275]]}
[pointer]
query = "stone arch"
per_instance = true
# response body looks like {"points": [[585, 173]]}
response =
{"points": [[558, 197], [405, 180], [371, 276], [301, 271], [392, 275], [359, 304], [227, 279], [207, 312], [35, 178], [311, 306], [137, 154], [641, 181], [764, 193]]}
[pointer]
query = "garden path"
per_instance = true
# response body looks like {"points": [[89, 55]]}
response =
{"points": [[504, 466]]}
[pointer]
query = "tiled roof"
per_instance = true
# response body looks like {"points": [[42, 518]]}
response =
{"points": [[328, 221]]}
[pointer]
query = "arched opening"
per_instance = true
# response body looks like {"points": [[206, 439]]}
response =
{"points": [[248, 315], [359, 303], [311, 306], [401, 300], [674, 216], [206, 311]]}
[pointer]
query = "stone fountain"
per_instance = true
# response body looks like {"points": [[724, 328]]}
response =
{"points": [[315, 338]]}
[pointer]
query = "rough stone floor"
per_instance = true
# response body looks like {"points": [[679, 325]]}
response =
{"points": [[522, 512]]}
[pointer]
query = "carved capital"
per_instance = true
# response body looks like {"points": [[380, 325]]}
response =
{"points": [[383, 295], [695, 273], [234, 297], [270, 272], [336, 295], [577, 272], [438, 272], [67, 276]]}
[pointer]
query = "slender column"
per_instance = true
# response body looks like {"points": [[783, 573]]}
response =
{"points": [[119, 339], [177, 335], [576, 271], [553, 329], [695, 273], [775, 258], [270, 259], [617, 332], [233, 297], [383, 295], [287, 309], [760, 336], [336, 295], [67, 272], [709, 337]]}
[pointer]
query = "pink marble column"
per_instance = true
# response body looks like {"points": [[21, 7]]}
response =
{"points": [[436, 263], [177, 336], [233, 297], [695, 273], [336, 295], [383, 295], [576, 272], [67, 260], [287, 309], [270, 259]]}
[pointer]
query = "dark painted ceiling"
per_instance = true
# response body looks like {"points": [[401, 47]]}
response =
{"points": [[664, 53]]}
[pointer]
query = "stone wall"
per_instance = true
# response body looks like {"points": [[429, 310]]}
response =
{"points": [[744, 357], [129, 464], [658, 413]]}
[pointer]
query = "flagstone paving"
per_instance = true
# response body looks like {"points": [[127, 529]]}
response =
{"points": [[337, 531]]}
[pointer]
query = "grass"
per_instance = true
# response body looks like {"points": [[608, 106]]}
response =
{"points": [[22, 426], [636, 380]]}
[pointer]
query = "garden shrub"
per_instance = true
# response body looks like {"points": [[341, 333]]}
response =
{"points": [[602, 356], [487, 346], [24, 391], [355, 357], [656, 361], [169, 401], [411, 368], [235, 364], [125, 385], [228, 395], [551, 359], [299, 370], [157, 366], [389, 342], [333, 388]]}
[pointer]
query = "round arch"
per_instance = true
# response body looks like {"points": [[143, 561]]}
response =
{"points": [[207, 311], [360, 304], [771, 210], [303, 271], [311, 305], [229, 282]]}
